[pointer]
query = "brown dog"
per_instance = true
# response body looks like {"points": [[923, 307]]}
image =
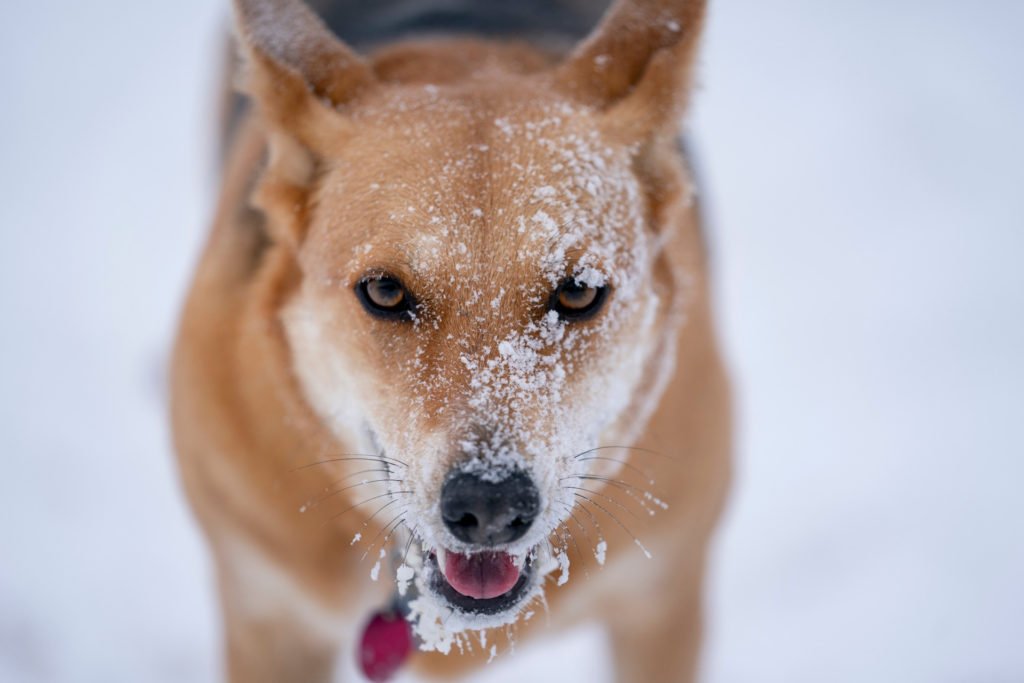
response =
{"points": [[453, 310]]}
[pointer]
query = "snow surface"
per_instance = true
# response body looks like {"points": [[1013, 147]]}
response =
{"points": [[862, 163]]}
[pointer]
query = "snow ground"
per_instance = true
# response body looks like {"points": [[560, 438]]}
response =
{"points": [[863, 164]]}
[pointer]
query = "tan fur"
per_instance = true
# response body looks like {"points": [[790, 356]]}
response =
{"points": [[245, 410]]}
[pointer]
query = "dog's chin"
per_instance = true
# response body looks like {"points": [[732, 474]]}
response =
{"points": [[461, 581]]}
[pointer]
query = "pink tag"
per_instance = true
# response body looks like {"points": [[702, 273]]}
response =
{"points": [[386, 644]]}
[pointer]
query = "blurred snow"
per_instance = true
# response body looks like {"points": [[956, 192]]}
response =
{"points": [[863, 166]]}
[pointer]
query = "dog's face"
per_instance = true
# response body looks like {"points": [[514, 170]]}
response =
{"points": [[479, 304]]}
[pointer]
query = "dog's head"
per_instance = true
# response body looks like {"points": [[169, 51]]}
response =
{"points": [[483, 298]]}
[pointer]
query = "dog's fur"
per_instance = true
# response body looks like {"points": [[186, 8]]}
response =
{"points": [[479, 171]]}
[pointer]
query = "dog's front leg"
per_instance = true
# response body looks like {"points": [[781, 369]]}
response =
{"points": [[276, 651], [662, 643], [274, 632]]}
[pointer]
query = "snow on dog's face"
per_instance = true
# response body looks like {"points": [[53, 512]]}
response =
{"points": [[479, 299], [476, 298]]}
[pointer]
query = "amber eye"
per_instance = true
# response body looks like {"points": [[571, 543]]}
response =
{"points": [[574, 300], [385, 297]]}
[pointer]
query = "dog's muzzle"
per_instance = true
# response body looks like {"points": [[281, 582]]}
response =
{"points": [[484, 514]]}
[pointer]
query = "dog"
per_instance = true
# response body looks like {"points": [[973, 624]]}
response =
{"points": [[451, 338]]}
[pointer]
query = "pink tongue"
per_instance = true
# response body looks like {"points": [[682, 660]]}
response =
{"points": [[481, 576]]}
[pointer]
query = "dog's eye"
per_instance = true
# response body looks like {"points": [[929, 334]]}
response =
{"points": [[385, 297], [575, 300]]}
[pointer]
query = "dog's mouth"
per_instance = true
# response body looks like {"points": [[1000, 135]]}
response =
{"points": [[489, 582]]}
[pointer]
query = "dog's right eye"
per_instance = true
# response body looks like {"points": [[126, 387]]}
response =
{"points": [[385, 297], [577, 301]]}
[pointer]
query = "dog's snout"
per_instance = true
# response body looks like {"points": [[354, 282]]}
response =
{"points": [[489, 513]]}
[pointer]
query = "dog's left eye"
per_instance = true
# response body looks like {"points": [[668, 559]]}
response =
{"points": [[385, 297], [574, 300]]}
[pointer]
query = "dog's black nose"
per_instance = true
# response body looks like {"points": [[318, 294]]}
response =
{"points": [[489, 513]]}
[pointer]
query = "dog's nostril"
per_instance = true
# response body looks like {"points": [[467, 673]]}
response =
{"points": [[489, 513], [467, 520]]}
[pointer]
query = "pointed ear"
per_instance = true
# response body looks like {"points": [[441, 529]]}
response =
{"points": [[300, 76], [296, 66], [638, 64]]}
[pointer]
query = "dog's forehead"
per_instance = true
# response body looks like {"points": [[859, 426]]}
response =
{"points": [[464, 185], [481, 209]]}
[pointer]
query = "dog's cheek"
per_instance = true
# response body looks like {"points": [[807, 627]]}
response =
{"points": [[330, 381], [425, 455], [619, 369], [645, 368]]}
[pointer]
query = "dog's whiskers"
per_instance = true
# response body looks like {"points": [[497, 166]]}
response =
{"points": [[625, 463], [557, 539], [572, 539], [369, 519], [636, 540], [363, 502], [394, 529], [335, 492], [637, 449], [608, 480], [397, 519], [371, 470], [641, 496], [579, 524], [408, 546], [593, 545], [611, 500], [593, 520], [349, 457]]}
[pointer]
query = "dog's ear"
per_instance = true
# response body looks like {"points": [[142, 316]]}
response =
{"points": [[297, 69], [301, 77], [637, 65]]}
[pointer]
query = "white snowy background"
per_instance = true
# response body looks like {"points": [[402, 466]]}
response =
{"points": [[864, 167]]}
